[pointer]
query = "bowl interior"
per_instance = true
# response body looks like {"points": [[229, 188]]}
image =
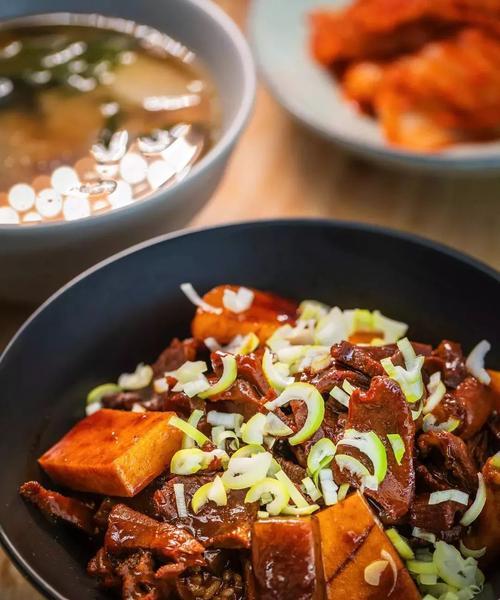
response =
{"points": [[280, 36], [126, 310]]}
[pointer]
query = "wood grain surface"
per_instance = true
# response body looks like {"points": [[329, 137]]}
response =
{"points": [[280, 169]]}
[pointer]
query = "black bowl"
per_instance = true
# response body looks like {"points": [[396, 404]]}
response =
{"points": [[126, 309]]}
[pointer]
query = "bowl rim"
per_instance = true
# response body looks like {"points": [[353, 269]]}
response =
{"points": [[24, 566], [235, 127], [488, 163]]}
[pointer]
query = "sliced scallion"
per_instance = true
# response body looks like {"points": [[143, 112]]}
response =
{"points": [[228, 377], [474, 510], [97, 394], [445, 495], [315, 408], [398, 446], [277, 489], [189, 430]]}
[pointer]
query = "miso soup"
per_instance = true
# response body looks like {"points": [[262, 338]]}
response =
{"points": [[96, 113]]}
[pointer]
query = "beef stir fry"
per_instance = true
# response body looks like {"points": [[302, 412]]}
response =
{"points": [[286, 452]]}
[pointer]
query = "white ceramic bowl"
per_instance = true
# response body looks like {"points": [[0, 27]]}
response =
{"points": [[36, 260], [280, 39]]}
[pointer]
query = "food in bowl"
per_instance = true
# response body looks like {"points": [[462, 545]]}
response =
{"points": [[286, 451], [96, 113], [426, 69]]}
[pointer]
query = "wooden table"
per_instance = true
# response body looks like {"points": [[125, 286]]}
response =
{"points": [[280, 169]]}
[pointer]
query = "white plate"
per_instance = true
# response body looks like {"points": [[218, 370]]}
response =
{"points": [[280, 39]]}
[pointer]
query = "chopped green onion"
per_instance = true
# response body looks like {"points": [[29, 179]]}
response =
{"points": [[337, 325], [475, 362], [427, 578], [275, 426], [250, 450], [312, 310], [189, 461], [409, 379], [437, 390], [328, 487], [370, 444], [228, 377], [315, 408], [445, 495], [90, 409], [199, 437], [349, 463], [160, 385], [424, 554], [291, 355], [239, 301], [331, 329], [298, 358], [421, 568], [429, 424], [194, 419], [408, 352], [365, 320], [229, 420], [474, 510], [277, 375], [190, 378], [400, 543], [297, 498], [269, 441], [316, 358], [280, 338], [240, 344], [320, 455], [252, 432], [348, 387], [188, 371], [398, 446], [415, 414], [374, 571], [194, 388], [311, 490], [342, 493], [423, 535], [452, 568], [360, 319], [97, 394], [247, 471], [277, 489], [213, 490], [220, 435], [195, 298], [212, 344], [340, 396], [246, 345], [469, 552], [180, 500], [141, 378], [392, 330]]}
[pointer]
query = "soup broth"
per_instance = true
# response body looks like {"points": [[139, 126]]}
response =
{"points": [[95, 114]]}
